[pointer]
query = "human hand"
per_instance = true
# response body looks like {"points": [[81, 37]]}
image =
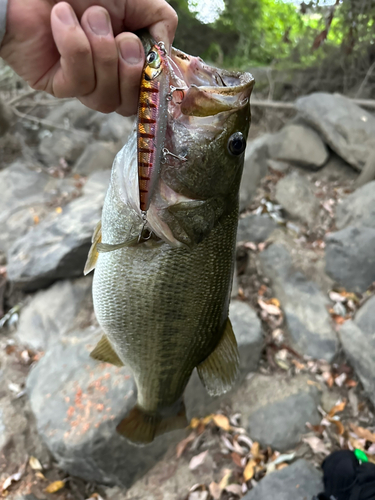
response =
{"points": [[82, 49]]}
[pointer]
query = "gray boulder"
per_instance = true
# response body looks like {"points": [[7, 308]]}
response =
{"points": [[255, 228], [5, 118], [300, 145], [350, 257], [50, 313], [249, 335], [304, 305], [255, 167], [296, 196], [26, 190], [365, 318], [63, 145], [299, 481], [97, 156], [357, 209], [114, 127], [348, 129], [77, 403], [276, 409], [57, 248], [72, 114]]}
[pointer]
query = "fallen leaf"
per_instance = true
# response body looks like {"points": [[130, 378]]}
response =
{"points": [[236, 459], [339, 320], [14, 478], [197, 460], [35, 464], [314, 383], [274, 301], [55, 486], [316, 445], [339, 426], [41, 476], [58, 211], [339, 381], [337, 408], [269, 308], [371, 450], [181, 447], [300, 366], [351, 383], [194, 422], [215, 490], [363, 433], [206, 420], [281, 466], [249, 471], [222, 421], [255, 449], [236, 489]]}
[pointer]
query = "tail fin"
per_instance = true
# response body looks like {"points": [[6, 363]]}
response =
{"points": [[141, 427]]}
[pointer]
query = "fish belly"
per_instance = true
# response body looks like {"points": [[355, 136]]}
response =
{"points": [[164, 308]]}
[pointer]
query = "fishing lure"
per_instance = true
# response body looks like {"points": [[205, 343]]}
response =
{"points": [[152, 122]]}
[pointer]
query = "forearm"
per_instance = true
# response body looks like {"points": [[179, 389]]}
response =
{"points": [[3, 18]]}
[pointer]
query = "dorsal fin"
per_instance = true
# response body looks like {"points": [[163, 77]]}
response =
{"points": [[93, 253], [105, 352]]}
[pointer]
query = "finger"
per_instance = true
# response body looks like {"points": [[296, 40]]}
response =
{"points": [[157, 15], [74, 75], [97, 26], [131, 62]]}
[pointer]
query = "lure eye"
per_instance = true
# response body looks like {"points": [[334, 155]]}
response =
{"points": [[153, 59], [236, 144]]}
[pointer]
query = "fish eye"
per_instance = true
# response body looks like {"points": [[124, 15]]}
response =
{"points": [[236, 144], [151, 57]]}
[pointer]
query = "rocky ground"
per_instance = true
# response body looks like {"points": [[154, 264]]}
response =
{"points": [[302, 312]]}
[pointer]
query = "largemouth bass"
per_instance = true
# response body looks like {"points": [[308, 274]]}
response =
{"points": [[161, 295]]}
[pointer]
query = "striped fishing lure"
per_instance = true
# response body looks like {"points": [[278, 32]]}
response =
{"points": [[152, 122]]}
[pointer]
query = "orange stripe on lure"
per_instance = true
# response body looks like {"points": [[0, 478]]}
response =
{"points": [[152, 122]]}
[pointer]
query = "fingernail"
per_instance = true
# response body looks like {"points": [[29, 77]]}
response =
{"points": [[66, 15], [130, 50], [99, 22]]}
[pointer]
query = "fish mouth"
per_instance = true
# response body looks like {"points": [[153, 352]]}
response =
{"points": [[208, 90]]}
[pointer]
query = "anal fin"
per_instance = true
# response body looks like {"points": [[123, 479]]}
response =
{"points": [[93, 253], [141, 428], [219, 371], [105, 352]]}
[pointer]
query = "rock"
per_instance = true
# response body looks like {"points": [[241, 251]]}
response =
{"points": [[255, 228], [304, 305], [77, 403], [300, 145], [357, 209], [279, 166], [57, 248], [275, 409], [248, 331], [72, 114], [365, 317], [97, 156], [359, 347], [348, 129], [25, 193], [299, 481], [336, 169], [350, 257], [255, 167], [116, 128], [50, 314], [63, 145], [296, 196]]}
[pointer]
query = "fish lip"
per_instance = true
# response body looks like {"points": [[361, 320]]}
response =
{"points": [[209, 90]]}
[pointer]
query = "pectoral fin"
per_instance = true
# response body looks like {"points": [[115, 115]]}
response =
{"points": [[105, 352], [93, 253], [219, 371]]}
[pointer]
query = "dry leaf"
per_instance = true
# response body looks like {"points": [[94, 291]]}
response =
{"points": [[198, 460], [363, 433], [249, 471], [339, 426], [206, 420], [181, 447], [337, 408], [35, 464], [281, 466], [11, 479], [194, 422], [236, 489], [255, 450], [55, 486], [215, 490], [269, 308], [224, 482], [41, 476], [316, 445], [58, 210], [222, 421], [236, 459]]}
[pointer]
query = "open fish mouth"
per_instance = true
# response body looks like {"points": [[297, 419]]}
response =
{"points": [[207, 90]]}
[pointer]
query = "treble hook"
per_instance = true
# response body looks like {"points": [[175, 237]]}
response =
{"points": [[167, 152]]}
